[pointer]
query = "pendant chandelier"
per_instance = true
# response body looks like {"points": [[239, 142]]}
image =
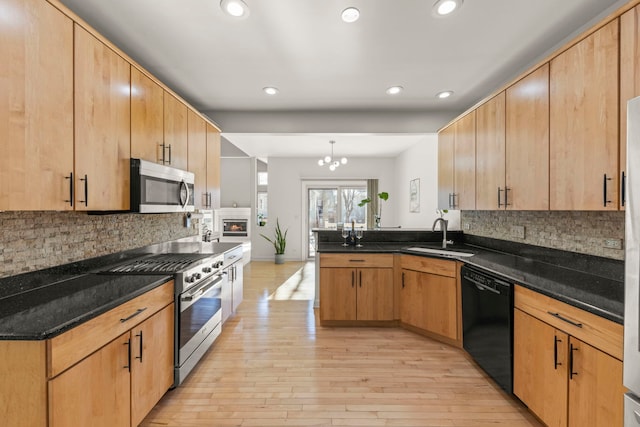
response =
{"points": [[331, 161]]}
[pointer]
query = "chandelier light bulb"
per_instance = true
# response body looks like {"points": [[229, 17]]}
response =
{"points": [[332, 167], [331, 160], [327, 159], [320, 162], [343, 160]]}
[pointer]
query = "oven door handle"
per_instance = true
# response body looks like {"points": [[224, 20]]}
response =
{"points": [[201, 290]]}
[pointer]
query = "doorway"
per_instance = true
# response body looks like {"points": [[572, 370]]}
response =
{"points": [[331, 205]]}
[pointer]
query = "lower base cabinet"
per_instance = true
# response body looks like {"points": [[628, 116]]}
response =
{"points": [[563, 379], [120, 383], [429, 296], [362, 293]]}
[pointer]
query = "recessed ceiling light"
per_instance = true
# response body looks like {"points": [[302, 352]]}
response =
{"points": [[394, 90], [445, 7], [350, 14], [270, 90], [235, 8], [444, 94]]}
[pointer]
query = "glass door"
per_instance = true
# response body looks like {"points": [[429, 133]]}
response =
{"points": [[333, 206]]}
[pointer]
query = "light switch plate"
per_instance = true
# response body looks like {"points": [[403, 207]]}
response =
{"points": [[467, 226]]}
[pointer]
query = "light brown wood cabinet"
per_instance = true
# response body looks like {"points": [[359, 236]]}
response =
{"points": [[175, 132], [490, 154], [349, 293], [465, 163], [212, 196], [430, 297], [629, 80], [36, 107], [147, 118], [446, 154], [457, 164], [104, 372], [197, 157], [567, 362], [584, 124], [102, 125], [527, 142]]}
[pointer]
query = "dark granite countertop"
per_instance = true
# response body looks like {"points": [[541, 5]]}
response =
{"points": [[591, 283], [42, 304], [47, 311]]}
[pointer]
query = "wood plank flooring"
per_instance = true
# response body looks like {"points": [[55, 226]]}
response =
{"points": [[273, 365]]}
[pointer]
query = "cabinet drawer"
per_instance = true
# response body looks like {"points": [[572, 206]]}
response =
{"points": [[76, 344], [437, 266], [594, 330], [356, 260]]}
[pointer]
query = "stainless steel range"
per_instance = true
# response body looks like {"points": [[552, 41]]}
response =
{"points": [[198, 290]]}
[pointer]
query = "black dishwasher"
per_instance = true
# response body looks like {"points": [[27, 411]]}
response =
{"points": [[487, 319]]}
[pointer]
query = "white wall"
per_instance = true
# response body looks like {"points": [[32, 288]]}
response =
{"points": [[286, 201], [236, 182], [420, 161]]}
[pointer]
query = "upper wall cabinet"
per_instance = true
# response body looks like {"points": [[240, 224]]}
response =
{"points": [[629, 80], [197, 157], [527, 142], [36, 107], [584, 124], [464, 169], [446, 149], [491, 192], [102, 125], [213, 168], [147, 118], [175, 132]]}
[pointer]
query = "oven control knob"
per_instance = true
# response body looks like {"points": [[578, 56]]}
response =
{"points": [[197, 276], [206, 269], [190, 279]]}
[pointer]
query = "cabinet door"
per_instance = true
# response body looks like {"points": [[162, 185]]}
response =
{"points": [[527, 142], [151, 362], [175, 132], [237, 287], [197, 157], [375, 294], [629, 78], [95, 392], [102, 125], [147, 118], [540, 362], [465, 163], [490, 154], [595, 387], [213, 167], [429, 302], [36, 107], [446, 149], [411, 298], [337, 294], [584, 124]]}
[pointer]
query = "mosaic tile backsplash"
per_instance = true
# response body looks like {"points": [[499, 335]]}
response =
{"points": [[583, 232], [35, 240]]}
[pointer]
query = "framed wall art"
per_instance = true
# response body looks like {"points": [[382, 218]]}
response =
{"points": [[414, 195]]}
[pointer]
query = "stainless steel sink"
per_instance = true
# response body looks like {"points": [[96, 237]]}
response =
{"points": [[440, 252]]}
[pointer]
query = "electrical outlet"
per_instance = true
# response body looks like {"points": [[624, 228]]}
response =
{"points": [[518, 231], [613, 243], [467, 226]]}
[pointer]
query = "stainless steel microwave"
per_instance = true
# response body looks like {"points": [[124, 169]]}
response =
{"points": [[157, 188]]}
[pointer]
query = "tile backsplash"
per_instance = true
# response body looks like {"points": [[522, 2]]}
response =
{"points": [[35, 240], [584, 232]]}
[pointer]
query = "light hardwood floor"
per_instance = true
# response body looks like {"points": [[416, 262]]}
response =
{"points": [[273, 365]]}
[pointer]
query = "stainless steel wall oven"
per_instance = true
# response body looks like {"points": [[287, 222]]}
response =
{"points": [[235, 227]]}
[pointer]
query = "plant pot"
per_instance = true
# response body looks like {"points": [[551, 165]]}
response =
{"points": [[279, 258]]}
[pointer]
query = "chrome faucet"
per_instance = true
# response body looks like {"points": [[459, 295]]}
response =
{"points": [[443, 227]]}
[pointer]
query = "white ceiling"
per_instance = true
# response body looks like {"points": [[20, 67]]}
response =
{"points": [[332, 76]]}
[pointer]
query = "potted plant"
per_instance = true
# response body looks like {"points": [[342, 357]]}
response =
{"points": [[279, 242], [377, 217]]}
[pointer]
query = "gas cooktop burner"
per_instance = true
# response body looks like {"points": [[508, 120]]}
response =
{"points": [[169, 263]]}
